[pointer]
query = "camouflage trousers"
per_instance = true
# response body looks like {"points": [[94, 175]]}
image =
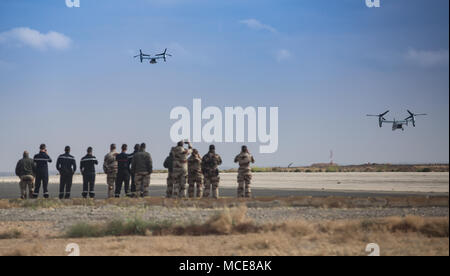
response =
{"points": [[111, 182], [142, 180], [244, 181], [26, 186], [169, 191], [179, 182], [211, 186], [195, 180]]}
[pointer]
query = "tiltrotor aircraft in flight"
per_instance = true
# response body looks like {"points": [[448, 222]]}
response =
{"points": [[153, 59], [397, 124]]}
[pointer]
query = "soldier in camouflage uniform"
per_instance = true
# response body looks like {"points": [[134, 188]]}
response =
{"points": [[168, 164], [244, 173], [110, 167], [26, 170], [195, 175], [180, 155], [210, 163], [142, 168]]}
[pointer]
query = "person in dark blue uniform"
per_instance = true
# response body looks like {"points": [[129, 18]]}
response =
{"points": [[130, 157], [123, 173], [66, 167], [41, 159], [87, 167]]}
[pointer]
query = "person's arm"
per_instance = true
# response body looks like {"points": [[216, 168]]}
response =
{"points": [[150, 163], [58, 164], [81, 166], [203, 164], [219, 162], [133, 165], [33, 167], [236, 159], [253, 159], [48, 157], [105, 164], [166, 163], [129, 163], [74, 165], [18, 168]]}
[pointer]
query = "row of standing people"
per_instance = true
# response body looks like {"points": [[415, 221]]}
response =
{"points": [[200, 173], [119, 169]]}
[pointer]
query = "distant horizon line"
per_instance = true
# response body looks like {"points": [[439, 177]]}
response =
{"points": [[54, 172]]}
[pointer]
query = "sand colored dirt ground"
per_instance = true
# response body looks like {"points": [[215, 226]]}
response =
{"points": [[281, 242]]}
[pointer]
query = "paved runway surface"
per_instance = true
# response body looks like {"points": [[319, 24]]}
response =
{"points": [[8, 191], [286, 184]]}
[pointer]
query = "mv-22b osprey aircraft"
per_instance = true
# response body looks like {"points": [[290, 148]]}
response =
{"points": [[397, 124], [153, 59]]}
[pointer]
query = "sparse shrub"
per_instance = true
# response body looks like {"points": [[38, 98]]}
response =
{"points": [[84, 230], [435, 228], [332, 169], [12, 234], [261, 170]]}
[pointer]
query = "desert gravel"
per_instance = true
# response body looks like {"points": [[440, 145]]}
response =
{"points": [[63, 217]]}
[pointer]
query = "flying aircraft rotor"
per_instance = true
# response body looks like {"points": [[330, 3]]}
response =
{"points": [[412, 118], [141, 55], [397, 124], [153, 59], [164, 55], [381, 118]]}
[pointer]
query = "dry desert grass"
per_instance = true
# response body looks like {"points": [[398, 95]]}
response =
{"points": [[293, 201], [231, 233]]}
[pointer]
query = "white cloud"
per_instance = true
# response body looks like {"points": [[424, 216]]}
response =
{"points": [[428, 58], [28, 37], [257, 25], [282, 55]]}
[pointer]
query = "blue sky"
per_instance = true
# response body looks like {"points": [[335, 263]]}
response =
{"points": [[324, 63]]}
